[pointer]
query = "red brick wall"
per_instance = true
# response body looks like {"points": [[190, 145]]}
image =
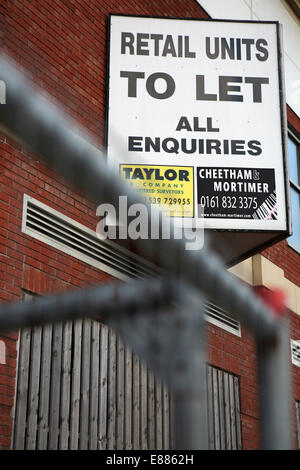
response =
{"points": [[61, 44], [288, 259], [26, 263], [282, 254], [237, 355], [293, 119]]}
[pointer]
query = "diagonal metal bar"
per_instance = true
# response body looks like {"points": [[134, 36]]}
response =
{"points": [[34, 121], [103, 302]]}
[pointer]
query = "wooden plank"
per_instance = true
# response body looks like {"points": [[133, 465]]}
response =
{"points": [[22, 387], [128, 399], [120, 394], [166, 419], [33, 389], [65, 386], [102, 444], [55, 387], [237, 413], [14, 408], [85, 385], [136, 402], [232, 412], [221, 410], [171, 421], [94, 389], [112, 392], [216, 409], [158, 413], [75, 387], [144, 407], [228, 442], [46, 357], [151, 410], [210, 408]]}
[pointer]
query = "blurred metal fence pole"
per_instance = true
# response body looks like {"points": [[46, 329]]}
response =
{"points": [[36, 123], [275, 391], [189, 386], [173, 343]]}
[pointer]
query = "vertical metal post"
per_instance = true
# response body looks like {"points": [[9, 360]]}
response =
{"points": [[173, 343], [189, 382], [275, 392]]}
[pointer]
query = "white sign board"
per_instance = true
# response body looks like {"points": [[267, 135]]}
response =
{"points": [[195, 117]]}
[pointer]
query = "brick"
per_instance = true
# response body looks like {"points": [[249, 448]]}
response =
{"points": [[4, 443], [5, 430], [6, 400]]}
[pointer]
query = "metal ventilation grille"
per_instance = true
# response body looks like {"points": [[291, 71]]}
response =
{"points": [[295, 352], [59, 231], [220, 317], [50, 226]]}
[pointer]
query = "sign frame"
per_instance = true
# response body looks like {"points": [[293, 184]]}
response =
{"points": [[221, 234]]}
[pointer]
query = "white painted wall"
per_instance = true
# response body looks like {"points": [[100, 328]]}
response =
{"points": [[268, 10]]}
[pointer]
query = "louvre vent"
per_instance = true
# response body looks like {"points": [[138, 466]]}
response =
{"points": [[59, 231], [295, 352], [220, 317], [51, 227]]}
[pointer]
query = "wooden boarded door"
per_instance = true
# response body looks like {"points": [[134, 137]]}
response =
{"points": [[78, 387], [223, 409]]}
